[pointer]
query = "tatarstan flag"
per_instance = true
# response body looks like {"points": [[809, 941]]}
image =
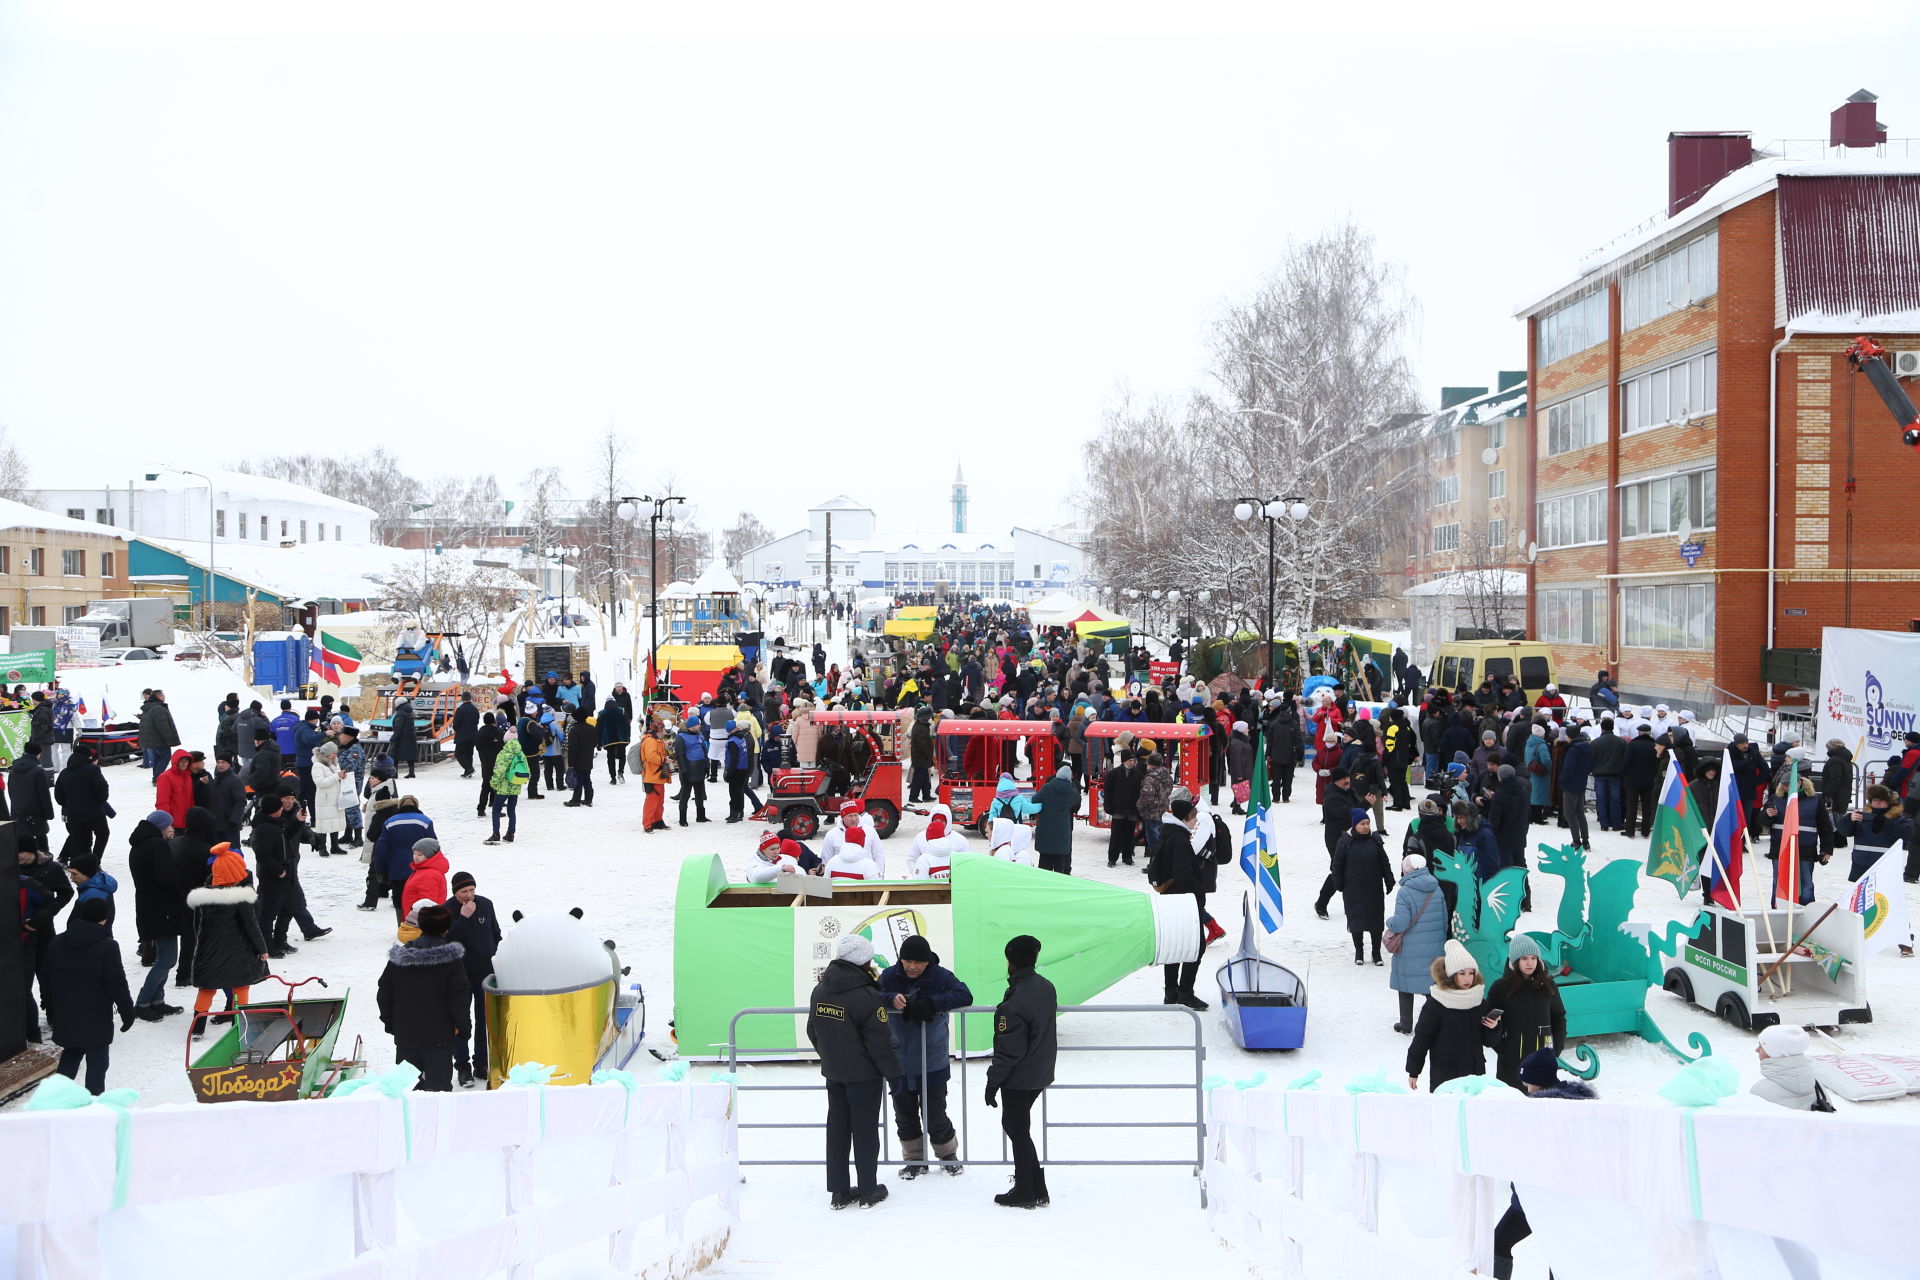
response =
{"points": [[333, 657]]}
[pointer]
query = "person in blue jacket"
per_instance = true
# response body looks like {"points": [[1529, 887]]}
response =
{"points": [[921, 994], [393, 851], [283, 726], [1538, 756], [89, 881], [1470, 834], [1576, 766], [1421, 920]]}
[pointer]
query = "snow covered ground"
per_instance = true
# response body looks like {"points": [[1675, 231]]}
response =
{"points": [[598, 859]]}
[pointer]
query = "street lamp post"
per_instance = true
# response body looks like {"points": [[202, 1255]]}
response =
{"points": [[208, 598], [1272, 510], [629, 509]]}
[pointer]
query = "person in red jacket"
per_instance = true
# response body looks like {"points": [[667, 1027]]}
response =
{"points": [[428, 879], [173, 790]]}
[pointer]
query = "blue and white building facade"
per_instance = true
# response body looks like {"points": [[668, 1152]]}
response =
{"points": [[1021, 564]]}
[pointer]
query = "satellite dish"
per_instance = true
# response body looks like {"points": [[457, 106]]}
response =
{"points": [[1533, 552], [1685, 530], [1489, 455]]}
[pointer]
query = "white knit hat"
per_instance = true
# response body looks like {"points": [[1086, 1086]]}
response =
{"points": [[1457, 957], [1782, 1041]]}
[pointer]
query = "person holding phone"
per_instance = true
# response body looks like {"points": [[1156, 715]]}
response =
{"points": [[1456, 1025], [1536, 1018]]}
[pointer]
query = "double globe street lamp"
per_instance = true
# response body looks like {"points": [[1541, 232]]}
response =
{"points": [[1273, 511], [629, 510]]}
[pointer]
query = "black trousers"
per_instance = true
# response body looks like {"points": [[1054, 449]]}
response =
{"points": [[616, 761], [435, 1063], [1397, 786], [1361, 935], [283, 901], [1119, 839], [583, 785], [1573, 808], [556, 771], [1016, 1121], [919, 786], [84, 837], [1639, 815], [96, 1060], [693, 783], [906, 1113], [853, 1128], [476, 1060], [1512, 1228], [1280, 775], [463, 753]]}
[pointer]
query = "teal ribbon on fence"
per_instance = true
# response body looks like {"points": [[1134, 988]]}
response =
{"points": [[1694, 1088], [532, 1075], [1306, 1080], [394, 1082], [1465, 1087], [61, 1093], [614, 1075]]}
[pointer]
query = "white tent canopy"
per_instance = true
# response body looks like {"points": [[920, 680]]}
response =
{"points": [[714, 580], [1056, 610]]}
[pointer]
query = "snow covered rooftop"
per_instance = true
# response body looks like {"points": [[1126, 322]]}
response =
{"points": [[1852, 322], [840, 502], [18, 515], [1510, 582], [1492, 407], [237, 485], [323, 570], [1731, 191], [714, 580]]}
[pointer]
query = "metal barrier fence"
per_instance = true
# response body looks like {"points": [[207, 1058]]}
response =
{"points": [[1196, 1046]]}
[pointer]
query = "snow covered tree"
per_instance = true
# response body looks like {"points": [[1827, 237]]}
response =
{"points": [[371, 479], [746, 533], [13, 469]]}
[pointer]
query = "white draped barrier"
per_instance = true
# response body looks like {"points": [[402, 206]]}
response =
{"points": [[1336, 1185], [370, 1187]]}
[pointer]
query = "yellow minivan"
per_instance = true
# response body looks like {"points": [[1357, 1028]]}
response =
{"points": [[1468, 662]]}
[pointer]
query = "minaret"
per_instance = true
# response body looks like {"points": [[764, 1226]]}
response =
{"points": [[959, 500]]}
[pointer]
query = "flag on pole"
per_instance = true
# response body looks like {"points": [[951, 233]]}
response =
{"points": [[1786, 868], [1678, 834], [1257, 843], [1879, 898], [1728, 843], [333, 657]]}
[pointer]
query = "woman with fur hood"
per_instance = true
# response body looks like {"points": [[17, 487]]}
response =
{"points": [[1456, 1024], [229, 949]]}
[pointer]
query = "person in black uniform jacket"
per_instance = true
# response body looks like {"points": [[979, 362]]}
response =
{"points": [[426, 1000], [1024, 1049], [847, 1026], [466, 732], [1175, 869], [1120, 794]]}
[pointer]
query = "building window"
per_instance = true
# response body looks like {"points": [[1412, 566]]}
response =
{"points": [[263, 528], [1445, 490], [1570, 615], [37, 563], [1006, 571], [1659, 505], [1497, 484], [1446, 537], [1497, 434], [37, 616], [303, 531], [1497, 532], [103, 516], [73, 564], [321, 529], [220, 522], [6, 561], [70, 614], [6, 619], [106, 564], [1676, 616], [336, 533], [1446, 443], [1573, 326], [283, 531], [1678, 278], [1577, 423], [76, 513], [1571, 520], [1676, 393], [243, 526]]}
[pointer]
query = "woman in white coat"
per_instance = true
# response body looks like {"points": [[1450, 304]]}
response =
{"points": [[329, 816]]}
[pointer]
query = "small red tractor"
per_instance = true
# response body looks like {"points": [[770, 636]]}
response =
{"points": [[859, 759]]}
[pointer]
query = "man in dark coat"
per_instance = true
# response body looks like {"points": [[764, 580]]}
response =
{"points": [[1120, 797], [1639, 781], [1749, 773], [278, 835], [1053, 829], [1025, 1047], [921, 994], [81, 791], [30, 792], [1336, 804], [1175, 870], [404, 746], [847, 1025], [83, 983], [1509, 813], [1609, 767], [1285, 745], [1363, 874], [426, 1000], [246, 728], [466, 730], [920, 757], [476, 927], [44, 893], [157, 737], [227, 799], [160, 916]]}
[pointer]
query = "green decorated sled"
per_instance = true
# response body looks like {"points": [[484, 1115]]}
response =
{"points": [[275, 1050]]}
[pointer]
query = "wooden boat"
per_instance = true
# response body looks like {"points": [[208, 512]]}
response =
{"points": [[1265, 1003]]}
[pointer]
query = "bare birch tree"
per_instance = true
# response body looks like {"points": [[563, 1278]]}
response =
{"points": [[13, 469]]}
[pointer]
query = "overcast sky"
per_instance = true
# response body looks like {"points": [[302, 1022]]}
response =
{"points": [[828, 248]]}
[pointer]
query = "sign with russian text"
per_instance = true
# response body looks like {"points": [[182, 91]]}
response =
{"points": [[29, 667]]}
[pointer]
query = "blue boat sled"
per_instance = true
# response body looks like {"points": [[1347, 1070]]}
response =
{"points": [[1265, 1003]]}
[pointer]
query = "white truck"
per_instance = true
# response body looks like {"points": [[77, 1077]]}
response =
{"points": [[130, 624], [1725, 967]]}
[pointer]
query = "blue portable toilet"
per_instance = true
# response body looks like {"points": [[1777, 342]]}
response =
{"points": [[281, 661]]}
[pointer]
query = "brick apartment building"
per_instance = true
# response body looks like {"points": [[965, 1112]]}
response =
{"points": [[1712, 480], [1467, 527], [50, 566]]}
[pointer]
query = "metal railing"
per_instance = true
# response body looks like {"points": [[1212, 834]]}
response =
{"points": [[1196, 1046]]}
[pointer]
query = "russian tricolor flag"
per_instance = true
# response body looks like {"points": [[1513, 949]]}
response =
{"points": [[1728, 845]]}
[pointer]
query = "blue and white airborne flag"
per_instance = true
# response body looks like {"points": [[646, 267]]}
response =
{"points": [[1259, 844]]}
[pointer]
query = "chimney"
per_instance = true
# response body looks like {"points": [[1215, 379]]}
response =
{"points": [[1451, 396], [1854, 123], [1695, 161]]}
